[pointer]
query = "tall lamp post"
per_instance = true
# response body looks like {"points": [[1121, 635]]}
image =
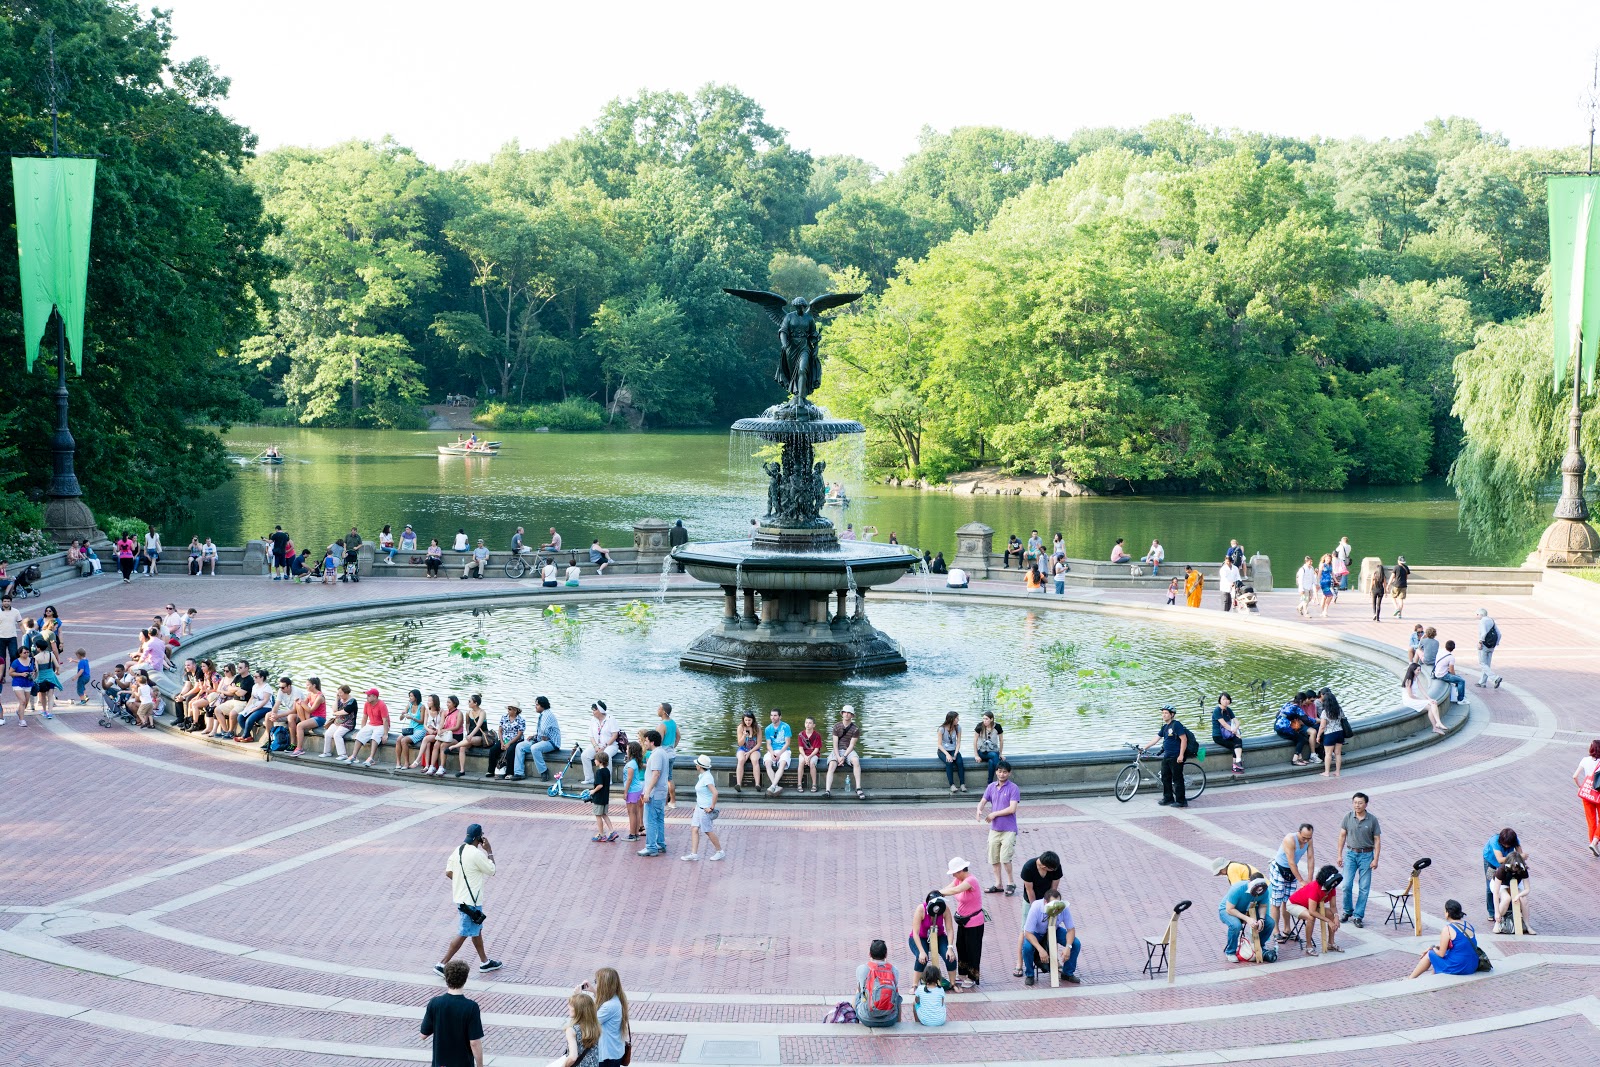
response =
{"points": [[1574, 203], [55, 207]]}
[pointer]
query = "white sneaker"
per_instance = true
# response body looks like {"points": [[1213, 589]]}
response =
{"points": [[1315, 758], [691, 856], [1497, 682], [717, 857]]}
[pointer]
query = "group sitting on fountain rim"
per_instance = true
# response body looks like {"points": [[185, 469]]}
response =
{"points": [[775, 759]]}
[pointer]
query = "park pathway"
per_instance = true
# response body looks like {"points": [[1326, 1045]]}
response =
{"points": [[166, 903]]}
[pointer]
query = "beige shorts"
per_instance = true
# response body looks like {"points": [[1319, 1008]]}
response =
{"points": [[1002, 845], [1399, 594]]}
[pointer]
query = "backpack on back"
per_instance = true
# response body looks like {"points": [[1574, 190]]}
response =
{"points": [[880, 987], [1492, 638]]}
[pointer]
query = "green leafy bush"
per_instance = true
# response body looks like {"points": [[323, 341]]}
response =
{"points": [[576, 413], [117, 525]]}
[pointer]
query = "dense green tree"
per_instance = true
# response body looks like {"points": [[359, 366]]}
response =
{"points": [[176, 262]]}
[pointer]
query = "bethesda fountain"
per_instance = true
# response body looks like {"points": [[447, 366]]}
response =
{"points": [[794, 594]]}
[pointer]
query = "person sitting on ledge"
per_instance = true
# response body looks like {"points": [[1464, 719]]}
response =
{"points": [[845, 735], [957, 579], [1013, 548], [938, 565], [877, 989], [1119, 554], [599, 558], [475, 566], [777, 758]]}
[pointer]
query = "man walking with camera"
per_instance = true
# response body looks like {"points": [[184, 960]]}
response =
{"points": [[469, 869]]}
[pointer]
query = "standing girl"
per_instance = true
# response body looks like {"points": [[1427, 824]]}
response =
{"points": [[1326, 579], [22, 683], [633, 790], [45, 679], [125, 552], [1331, 732]]}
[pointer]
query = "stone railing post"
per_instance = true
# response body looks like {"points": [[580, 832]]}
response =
{"points": [[650, 544], [255, 558], [974, 544], [364, 555], [1369, 568], [1261, 573]]}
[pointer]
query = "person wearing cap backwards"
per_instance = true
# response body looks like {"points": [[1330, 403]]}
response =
{"points": [[1235, 912], [967, 896], [705, 810], [375, 729], [1488, 641], [845, 735], [469, 869], [503, 743], [1174, 739]]}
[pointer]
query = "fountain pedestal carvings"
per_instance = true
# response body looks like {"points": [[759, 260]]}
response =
{"points": [[794, 595]]}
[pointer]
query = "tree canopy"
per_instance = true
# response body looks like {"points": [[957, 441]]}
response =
{"points": [[1170, 306]]}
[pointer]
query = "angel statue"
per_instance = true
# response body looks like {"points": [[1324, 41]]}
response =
{"points": [[798, 368]]}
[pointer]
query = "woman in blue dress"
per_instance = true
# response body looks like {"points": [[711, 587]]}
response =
{"points": [[1325, 579], [1457, 952]]}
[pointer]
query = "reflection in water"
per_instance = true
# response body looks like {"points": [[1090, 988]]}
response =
{"points": [[1061, 680], [589, 485]]}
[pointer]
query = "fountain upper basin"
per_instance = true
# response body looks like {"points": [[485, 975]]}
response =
{"points": [[815, 569]]}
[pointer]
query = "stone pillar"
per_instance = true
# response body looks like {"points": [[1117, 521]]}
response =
{"points": [[364, 556], [650, 544], [749, 607], [974, 543], [255, 558], [1261, 573], [1369, 568], [861, 604], [839, 615], [730, 605]]}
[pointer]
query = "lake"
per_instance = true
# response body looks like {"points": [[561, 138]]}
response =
{"points": [[589, 485]]}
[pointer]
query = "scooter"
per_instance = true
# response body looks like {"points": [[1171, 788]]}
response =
{"points": [[556, 790]]}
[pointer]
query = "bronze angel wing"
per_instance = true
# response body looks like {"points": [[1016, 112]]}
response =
{"points": [[771, 303], [833, 300]]}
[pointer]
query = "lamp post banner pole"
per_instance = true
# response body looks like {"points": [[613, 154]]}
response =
{"points": [[1574, 201]]}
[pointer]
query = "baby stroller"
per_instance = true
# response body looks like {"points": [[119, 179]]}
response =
{"points": [[116, 707], [22, 588]]}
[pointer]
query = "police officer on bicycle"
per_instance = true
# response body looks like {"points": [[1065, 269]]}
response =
{"points": [[1177, 745]]}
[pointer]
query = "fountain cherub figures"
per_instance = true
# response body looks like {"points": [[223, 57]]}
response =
{"points": [[799, 370]]}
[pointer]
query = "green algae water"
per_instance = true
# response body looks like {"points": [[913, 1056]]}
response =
{"points": [[1072, 681], [597, 485]]}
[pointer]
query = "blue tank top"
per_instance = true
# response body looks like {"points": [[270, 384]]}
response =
{"points": [[1299, 853]]}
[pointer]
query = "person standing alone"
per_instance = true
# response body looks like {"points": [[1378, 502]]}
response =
{"points": [[1360, 845], [453, 1021], [1488, 641], [1380, 586], [469, 869], [1173, 737]]}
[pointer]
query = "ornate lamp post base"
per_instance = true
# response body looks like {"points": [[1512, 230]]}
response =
{"points": [[1568, 543], [68, 518]]}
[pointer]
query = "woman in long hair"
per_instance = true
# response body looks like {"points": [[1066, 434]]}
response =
{"points": [[612, 1013]]}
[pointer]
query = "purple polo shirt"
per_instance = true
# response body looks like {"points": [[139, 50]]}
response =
{"points": [[1001, 796]]}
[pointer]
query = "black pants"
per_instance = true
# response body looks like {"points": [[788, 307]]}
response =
{"points": [[1377, 603], [125, 564], [1227, 601], [502, 756], [433, 566], [969, 951], [1172, 789]]}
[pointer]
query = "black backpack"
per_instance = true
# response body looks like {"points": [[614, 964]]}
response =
{"points": [[1492, 638]]}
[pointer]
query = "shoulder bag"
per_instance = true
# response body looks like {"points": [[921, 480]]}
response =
{"points": [[471, 911]]}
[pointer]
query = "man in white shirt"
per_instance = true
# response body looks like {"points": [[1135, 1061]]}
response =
{"points": [[469, 869], [1155, 557], [1488, 641], [10, 628], [602, 738], [1305, 580], [1227, 577], [1444, 669]]}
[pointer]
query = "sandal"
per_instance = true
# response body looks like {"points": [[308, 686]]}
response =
{"points": [[860, 795], [994, 889], [1017, 973], [827, 792]]}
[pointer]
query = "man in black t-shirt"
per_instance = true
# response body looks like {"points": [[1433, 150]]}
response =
{"points": [[1039, 875], [1397, 585], [280, 546], [454, 1023]]}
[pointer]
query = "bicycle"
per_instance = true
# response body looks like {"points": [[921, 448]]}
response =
{"points": [[1131, 777], [516, 566]]}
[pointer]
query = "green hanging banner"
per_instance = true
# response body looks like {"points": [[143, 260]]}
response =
{"points": [[55, 205], [1575, 270]]}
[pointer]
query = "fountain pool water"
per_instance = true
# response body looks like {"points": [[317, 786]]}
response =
{"points": [[1060, 680]]}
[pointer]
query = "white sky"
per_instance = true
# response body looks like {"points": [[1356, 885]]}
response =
{"points": [[455, 79]]}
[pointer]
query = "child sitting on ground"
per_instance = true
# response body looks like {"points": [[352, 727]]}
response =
{"points": [[927, 1003], [600, 797]]}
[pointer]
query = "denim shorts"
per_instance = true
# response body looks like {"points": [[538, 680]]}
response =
{"points": [[468, 928]]}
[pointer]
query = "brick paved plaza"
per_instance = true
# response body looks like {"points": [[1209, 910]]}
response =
{"points": [[167, 902]]}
